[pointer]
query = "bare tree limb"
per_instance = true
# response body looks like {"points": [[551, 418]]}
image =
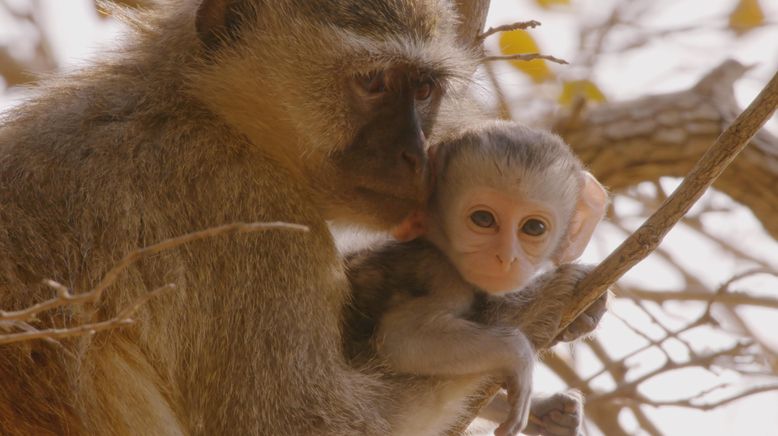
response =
{"points": [[648, 237], [629, 389], [617, 371], [641, 243], [627, 142], [730, 299]]}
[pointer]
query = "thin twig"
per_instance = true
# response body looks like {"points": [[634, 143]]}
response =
{"points": [[524, 57], [66, 297], [690, 403], [122, 319], [519, 25], [702, 361]]}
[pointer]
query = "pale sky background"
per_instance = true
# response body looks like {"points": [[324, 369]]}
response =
{"points": [[664, 65]]}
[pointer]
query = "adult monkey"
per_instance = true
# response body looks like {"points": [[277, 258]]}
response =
{"points": [[218, 111]]}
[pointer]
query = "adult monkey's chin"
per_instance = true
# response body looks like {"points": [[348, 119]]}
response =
{"points": [[380, 210]]}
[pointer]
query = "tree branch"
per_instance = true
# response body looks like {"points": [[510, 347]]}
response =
{"points": [[645, 240], [627, 142], [122, 318], [520, 25], [648, 237], [524, 57]]}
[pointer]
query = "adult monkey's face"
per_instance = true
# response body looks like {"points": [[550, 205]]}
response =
{"points": [[395, 61], [383, 168], [342, 91]]}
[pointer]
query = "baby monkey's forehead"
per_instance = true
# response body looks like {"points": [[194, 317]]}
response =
{"points": [[552, 183], [508, 199]]}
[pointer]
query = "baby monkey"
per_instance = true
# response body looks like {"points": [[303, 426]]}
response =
{"points": [[506, 201]]}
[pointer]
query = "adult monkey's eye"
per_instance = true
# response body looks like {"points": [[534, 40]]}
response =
{"points": [[373, 83], [534, 227], [483, 218]]}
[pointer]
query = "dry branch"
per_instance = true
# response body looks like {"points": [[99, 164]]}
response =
{"points": [[20, 318], [524, 57], [624, 143], [705, 406], [707, 360], [691, 123], [124, 317], [648, 237], [643, 241], [520, 25]]}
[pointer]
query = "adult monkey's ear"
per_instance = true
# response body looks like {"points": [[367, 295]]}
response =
{"points": [[220, 21], [589, 211]]}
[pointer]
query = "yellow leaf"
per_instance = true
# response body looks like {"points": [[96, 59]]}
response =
{"points": [[521, 42], [746, 16], [545, 4], [585, 89]]}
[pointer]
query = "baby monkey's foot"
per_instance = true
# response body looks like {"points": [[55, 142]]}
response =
{"points": [[560, 414], [519, 398]]}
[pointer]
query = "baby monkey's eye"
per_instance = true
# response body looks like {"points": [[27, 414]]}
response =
{"points": [[425, 89], [483, 218], [534, 227]]}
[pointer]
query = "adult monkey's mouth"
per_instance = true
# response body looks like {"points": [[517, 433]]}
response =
{"points": [[392, 208], [383, 195]]}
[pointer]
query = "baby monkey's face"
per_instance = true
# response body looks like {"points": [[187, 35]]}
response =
{"points": [[497, 239]]}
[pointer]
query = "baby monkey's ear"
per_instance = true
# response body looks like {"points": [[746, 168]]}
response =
{"points": [[414, 225], [589, 211]]}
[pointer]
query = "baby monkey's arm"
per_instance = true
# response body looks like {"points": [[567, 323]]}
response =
{"points": [[538, 308], [426, 336]]}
